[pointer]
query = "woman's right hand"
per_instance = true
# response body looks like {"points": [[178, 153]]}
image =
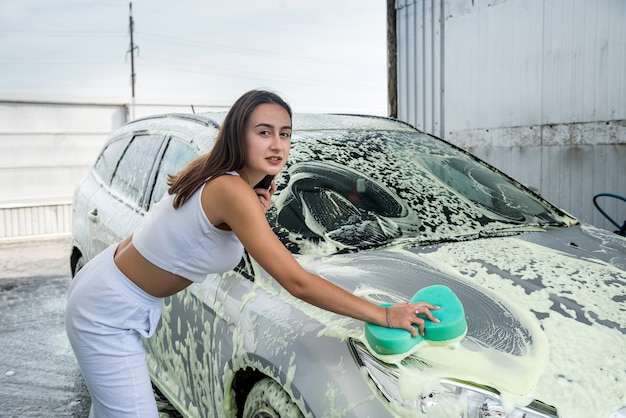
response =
{"points": [[265, 195]]}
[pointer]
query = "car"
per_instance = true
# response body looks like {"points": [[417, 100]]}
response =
{"points": [[382, 210]]}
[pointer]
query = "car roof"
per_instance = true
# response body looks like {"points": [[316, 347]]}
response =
{"points": [[301, 121]]}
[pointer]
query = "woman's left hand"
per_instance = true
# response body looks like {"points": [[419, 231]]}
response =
{"points": [[404, 315], [265, 195]]}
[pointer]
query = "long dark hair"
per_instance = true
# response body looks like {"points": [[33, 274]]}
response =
{"points": [[228, 152]]}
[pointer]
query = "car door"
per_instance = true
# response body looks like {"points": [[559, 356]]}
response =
{"points": [[93, 193], [177, 154], [119, 206]]}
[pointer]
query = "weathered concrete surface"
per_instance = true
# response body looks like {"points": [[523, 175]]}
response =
{"points": [[39, 376], [38, 373]]}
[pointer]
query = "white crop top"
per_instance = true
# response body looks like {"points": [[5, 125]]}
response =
{"points": [[184, 242]]}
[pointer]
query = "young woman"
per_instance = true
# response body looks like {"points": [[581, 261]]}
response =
{"points": [[211, 212]]}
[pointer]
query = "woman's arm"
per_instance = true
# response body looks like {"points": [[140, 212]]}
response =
{"points": [[230, 200]]}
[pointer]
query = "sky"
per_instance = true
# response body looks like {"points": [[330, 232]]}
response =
{"points": [[320, 55]]}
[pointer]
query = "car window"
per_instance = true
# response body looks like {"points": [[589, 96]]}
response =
{"points": [[110, 156], [341, 204], [487, 188], [176, 156], [133, 171]]}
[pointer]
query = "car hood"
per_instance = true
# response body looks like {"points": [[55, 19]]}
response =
{"points": [[545, 311]]}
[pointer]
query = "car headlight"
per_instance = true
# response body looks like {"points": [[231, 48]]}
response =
{"points": [[455, 398]]}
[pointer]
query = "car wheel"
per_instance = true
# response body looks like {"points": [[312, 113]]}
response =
{"points": [[267, 399], [80, 263]]}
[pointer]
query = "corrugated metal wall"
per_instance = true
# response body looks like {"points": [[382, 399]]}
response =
{"points": [[420, 50], [23, 220], [536, 88]]}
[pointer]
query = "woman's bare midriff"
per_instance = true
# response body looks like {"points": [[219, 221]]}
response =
{"points": [[150, 278]]}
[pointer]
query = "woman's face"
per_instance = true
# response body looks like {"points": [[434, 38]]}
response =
{"points": [[268, 138]]}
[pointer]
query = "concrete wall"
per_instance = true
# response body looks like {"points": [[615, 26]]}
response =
{"points": [[45, 151], [536, 88], [46, 148]]}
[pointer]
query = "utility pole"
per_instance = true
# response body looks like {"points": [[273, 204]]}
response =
{"points": [[392, 60], [132, 55]]}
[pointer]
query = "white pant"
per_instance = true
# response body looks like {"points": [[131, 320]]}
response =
{"points": [[106, 317]]}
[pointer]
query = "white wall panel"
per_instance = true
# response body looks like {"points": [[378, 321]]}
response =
{"points": [[51, 118], [46, 149]]}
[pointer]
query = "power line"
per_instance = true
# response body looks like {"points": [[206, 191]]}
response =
{"points": [[239, 50], [62, 33]]}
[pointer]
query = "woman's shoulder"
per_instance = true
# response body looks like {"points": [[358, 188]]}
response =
{"points": [[226, 185], [221, 176], [227, 199]]}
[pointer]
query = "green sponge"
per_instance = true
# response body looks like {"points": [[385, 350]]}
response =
{"points": [[452, 326]]}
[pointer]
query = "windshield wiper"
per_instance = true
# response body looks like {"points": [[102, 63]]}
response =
{"points": [[519, 229], [488, 232]]}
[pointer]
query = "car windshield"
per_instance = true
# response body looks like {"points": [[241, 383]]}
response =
{"points": [[349, 190]]}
